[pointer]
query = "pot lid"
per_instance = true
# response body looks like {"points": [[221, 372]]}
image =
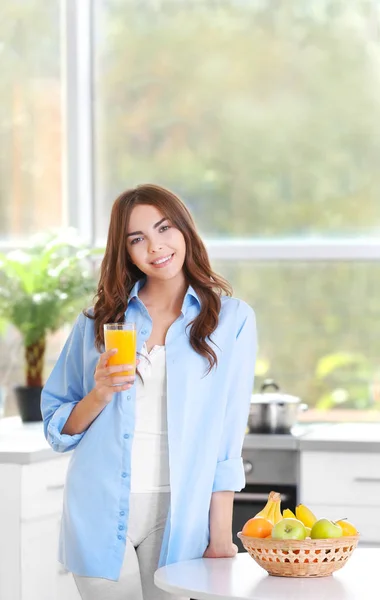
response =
{"points": [[276, 397]]}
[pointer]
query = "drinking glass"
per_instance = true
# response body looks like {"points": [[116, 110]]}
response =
{"points": [[123, 337]]}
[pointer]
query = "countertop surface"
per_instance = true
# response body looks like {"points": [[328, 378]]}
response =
{"points": [[25, 443], [342, 437], [240, 577], [325, 437]]}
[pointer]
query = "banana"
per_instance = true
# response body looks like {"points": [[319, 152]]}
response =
{"points": [[304, 514], [277, 512], [271, 510], [288, 514], [267, 508], [271, 514]]}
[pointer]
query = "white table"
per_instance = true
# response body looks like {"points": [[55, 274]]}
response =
{"points": [[241, 578]]}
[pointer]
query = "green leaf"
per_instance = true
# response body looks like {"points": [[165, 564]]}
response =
{"points": [[325, 402], [329, 363], [45, 285]]}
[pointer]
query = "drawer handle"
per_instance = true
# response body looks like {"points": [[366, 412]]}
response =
{"points": [[367, 479], [256, 497], [57, 486], [250, 497]]}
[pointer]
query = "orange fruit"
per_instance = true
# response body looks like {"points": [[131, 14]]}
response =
{"points": [[257, 527], [347, 527]]}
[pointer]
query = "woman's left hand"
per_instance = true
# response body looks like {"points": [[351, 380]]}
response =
{"points": [[223, 551]]}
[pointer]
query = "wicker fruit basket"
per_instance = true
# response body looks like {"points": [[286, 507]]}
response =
{"points": [[300, 558]]}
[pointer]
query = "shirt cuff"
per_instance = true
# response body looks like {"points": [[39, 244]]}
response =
{"points": [[229, 475], [62, 442]]}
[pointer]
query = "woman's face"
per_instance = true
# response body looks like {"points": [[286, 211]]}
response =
{"points": [[155, 246]]}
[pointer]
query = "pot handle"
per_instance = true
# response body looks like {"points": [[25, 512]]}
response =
{"points": [[269, 383]]}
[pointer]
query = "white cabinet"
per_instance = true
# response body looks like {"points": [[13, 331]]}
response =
{"points": [[340, 485], [30, 509]]}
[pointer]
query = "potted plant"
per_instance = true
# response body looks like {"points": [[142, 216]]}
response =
{"points": [[42, 287]]}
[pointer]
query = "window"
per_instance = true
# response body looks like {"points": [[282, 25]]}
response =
{"points": [[263, 117], [31, 132], [318, 332], [30, 119], [264, 120]]}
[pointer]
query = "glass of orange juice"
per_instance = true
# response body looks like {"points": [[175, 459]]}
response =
{"points": [[123, 337]]}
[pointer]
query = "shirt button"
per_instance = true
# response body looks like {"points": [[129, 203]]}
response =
{"points": [[119, 537], [126, 435], [144, 331], [121, 527], [124, 474], [122, 513], [129, 397]]}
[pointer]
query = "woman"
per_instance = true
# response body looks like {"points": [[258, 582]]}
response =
{"points": [[157, 460]]}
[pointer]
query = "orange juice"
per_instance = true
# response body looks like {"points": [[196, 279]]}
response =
{"points": [[125, 342]]}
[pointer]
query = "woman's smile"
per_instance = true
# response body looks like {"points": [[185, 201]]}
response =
{"points": [[160, 263]]}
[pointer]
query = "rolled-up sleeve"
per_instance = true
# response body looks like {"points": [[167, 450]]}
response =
{"points": [[229, 474], [63, 390]]}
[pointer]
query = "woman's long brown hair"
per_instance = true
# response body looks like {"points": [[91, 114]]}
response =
{"points": [[118, 274]]}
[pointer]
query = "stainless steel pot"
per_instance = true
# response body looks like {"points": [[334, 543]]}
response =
{"points": [[273, 412]]}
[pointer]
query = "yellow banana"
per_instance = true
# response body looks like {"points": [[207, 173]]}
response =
{"points": [[270, 516], [288, 514], [271, 510], [277, 511], [267, 508], [304, 514]]}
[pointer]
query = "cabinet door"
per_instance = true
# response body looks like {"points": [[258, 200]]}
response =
{"points": [[42, 486], [340, 479], [39, 565], [43, 577]]}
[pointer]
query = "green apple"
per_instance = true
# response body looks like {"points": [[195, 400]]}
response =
{"points": [[289, 529], [325, 529]]}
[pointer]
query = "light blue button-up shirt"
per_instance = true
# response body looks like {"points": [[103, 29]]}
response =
{"points": [[207, 417]]}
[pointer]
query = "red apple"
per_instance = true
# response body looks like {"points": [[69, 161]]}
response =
{"points": [[289, 529]]}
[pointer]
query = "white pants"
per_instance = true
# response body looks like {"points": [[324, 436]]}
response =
{"points": [[147, 518]]}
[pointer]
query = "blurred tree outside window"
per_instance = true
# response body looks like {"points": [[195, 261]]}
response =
{"points": [[31, 131], [263, 116], [30, 118]]}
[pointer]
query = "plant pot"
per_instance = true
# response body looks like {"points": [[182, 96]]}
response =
{"points": [[29, 403]]}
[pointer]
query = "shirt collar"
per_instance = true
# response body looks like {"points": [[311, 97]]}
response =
{"points": [[136, 288], [191, 292], [139, 284]]}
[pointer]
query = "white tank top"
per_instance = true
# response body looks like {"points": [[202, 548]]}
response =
{"points": [[150, 452]]}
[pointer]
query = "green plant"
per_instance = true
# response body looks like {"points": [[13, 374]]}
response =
{"points": [[42, 287], [348, 380]]}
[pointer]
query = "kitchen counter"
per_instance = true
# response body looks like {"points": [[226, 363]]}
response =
{"points": [[324, 437], [25, 443], [262, 441], [342, 437]]}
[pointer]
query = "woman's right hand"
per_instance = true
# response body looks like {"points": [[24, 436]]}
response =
{"points": [[107, 383]]}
